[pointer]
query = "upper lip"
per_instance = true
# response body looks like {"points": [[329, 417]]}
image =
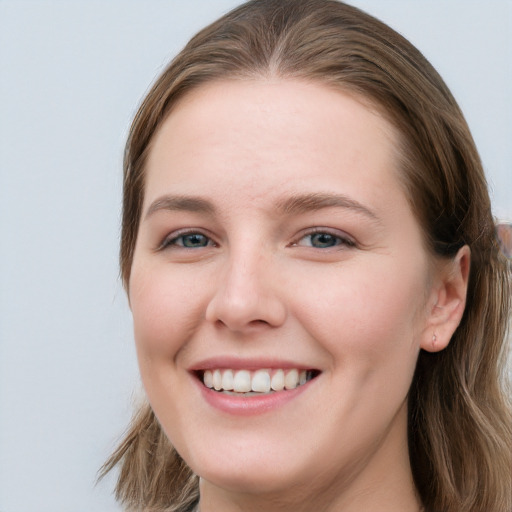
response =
{"points": [[236, 363]]}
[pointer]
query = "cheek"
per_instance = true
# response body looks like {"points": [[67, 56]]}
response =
{"points": [[166, 309], [371, 310]]}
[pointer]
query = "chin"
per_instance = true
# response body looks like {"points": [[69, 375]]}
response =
{"points": [[247, 474], [258, 481]]}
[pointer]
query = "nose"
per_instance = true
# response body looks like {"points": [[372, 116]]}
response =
{"points": [[247, 295]]}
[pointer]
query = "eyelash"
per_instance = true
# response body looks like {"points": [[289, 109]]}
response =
{"points": [[335, 238], [338, 239], [172, 240]]}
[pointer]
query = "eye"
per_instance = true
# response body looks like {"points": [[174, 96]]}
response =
{"points": [[324, 240], [191, 240]]}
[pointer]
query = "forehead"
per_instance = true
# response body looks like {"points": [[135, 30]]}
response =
{"points": [[279, 133]]}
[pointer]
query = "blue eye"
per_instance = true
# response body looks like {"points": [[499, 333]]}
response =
{"points": [[188, 241], [324, 240], [193, 240]]}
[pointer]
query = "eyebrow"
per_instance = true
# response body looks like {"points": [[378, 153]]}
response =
{"points": [[304, 203], [296, 204], [180, 203]]}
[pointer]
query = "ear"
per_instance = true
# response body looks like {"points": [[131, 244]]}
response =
{"points": [[447, 302]]}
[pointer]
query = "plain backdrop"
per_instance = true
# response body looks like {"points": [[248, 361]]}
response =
{"points": [[71, 76]]}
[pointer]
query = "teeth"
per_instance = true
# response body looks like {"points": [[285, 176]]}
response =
{"points": [[208, 379], [291, 379], [242, 381], [259, 381], [228, 380], [217, 380], [277, 383]]}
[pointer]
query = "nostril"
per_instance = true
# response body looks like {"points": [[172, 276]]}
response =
{"points": [[239, 305]]}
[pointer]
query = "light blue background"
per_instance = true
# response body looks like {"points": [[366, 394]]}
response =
{"points": [[71, 75]]}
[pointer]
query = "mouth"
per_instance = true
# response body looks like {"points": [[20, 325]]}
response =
{"points": [[246, 383]]}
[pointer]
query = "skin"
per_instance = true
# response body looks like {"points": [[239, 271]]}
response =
{"points": [[258, 284]]}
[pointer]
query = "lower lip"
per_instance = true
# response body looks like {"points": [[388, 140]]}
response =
{"points": [[251, 405]]}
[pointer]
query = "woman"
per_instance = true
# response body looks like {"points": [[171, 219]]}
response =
{"points": [[319, 299]]}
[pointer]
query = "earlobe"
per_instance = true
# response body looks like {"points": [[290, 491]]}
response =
{"points": [[448, 302]]}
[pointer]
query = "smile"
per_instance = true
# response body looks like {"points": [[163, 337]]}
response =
{"points": [[258, 382]]}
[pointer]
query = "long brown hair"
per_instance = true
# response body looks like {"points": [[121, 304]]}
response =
{"points": [[460, 432]]}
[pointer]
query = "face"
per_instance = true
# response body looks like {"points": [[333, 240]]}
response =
{"points": [[278, 287]]}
